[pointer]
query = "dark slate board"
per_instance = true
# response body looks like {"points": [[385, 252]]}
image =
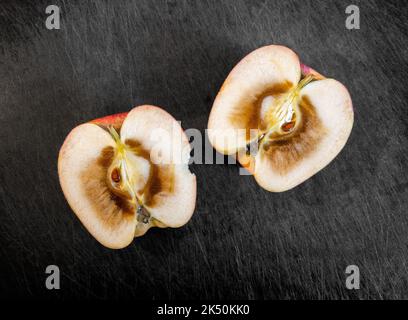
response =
{"points": [[242, 242]]}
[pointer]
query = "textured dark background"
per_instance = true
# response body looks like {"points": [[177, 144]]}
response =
{"points": [[242, 242]]}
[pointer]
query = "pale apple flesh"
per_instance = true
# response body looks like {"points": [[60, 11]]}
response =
{"points": [[113, 184], [297, 119]]}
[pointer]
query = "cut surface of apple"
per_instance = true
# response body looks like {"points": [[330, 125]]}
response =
{"points": [[282, 120], [126, 173]]}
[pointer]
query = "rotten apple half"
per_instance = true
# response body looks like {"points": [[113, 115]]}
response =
{"points": [[282, 120], [125, 173]]}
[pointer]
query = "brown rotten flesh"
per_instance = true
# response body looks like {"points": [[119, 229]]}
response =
{"points": [[126, 173], [283, 120]]}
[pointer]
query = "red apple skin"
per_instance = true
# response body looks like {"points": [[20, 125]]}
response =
{"points": [[114, 120], [306, 70]]}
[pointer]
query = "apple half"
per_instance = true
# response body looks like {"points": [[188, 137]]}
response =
{"points": [[282, 120], [125, 173]]}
